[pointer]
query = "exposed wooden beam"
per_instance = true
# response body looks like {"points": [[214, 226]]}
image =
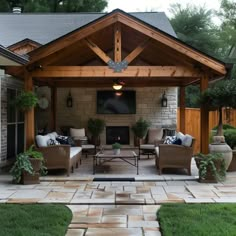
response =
{"points": [[117, 42], [204, 113], [104, 71], [171, 42], [98, 51], [137, 51], [73, 37], [92, 84]]}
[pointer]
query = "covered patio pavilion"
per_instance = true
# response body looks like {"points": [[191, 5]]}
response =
{"points": [[117, 45]]}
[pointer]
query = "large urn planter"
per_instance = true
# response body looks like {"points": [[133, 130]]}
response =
{"points": [[232, 166], [224, 149]]}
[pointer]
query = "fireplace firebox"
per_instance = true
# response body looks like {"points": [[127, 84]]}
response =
{"points": [[118, 134]]}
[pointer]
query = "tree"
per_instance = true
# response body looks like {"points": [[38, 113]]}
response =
{"points": [[54, 5], [227, 14], [221, 94], [193, 25]]}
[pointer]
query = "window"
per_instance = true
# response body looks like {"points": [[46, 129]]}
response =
{"points": [[15, 126]]}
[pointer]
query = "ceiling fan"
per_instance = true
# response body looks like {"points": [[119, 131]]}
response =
{"points": [[118, 84]]}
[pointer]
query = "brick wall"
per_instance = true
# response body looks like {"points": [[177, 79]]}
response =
{"points": [[148, 106]]}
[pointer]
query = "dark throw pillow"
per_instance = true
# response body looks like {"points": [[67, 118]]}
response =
{"points": [[177, 141], [65, 140]]}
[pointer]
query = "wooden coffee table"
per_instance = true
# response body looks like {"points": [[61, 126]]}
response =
{"points": [[129, 157]]}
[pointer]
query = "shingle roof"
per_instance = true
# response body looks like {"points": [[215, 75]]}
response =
{"points": [[44, 28]]}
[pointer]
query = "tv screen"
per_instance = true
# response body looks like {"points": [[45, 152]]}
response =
{"points": [[116, 102]]}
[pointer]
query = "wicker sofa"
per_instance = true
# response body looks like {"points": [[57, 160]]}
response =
{"points": [[174, 156], [59, 156]]}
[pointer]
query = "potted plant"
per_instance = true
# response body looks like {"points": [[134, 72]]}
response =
{"points": [[221, 94], [28, 167], [26, 100], [140, 129], [116, 148], [211, 167], [95, 127]]}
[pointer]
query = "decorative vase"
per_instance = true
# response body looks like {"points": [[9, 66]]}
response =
{"points": [[218, 139], [116, 151], [232, 166], [225, 150]]}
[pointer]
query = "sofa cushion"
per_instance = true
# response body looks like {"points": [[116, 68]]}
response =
{"points": [[42, 140], [74, 151], [180, 135], [53, 135], [177, 141], [147, 146], [52, 142], [154, 134], [169, 139], [77, 132], [65, 140], [187, 141]]}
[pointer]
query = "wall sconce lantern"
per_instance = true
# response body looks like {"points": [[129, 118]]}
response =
{"points": [[164, 100], [69, 100]]}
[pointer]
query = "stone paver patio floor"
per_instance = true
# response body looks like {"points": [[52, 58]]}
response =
{"points": [[121, 208]]}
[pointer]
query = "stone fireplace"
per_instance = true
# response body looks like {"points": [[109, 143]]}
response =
{"points": [[118, 134]]}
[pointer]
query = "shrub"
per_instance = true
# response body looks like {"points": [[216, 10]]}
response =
{"points": [[230, 137]]}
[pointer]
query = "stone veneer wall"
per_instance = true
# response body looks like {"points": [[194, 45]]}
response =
{"points": [[148, 106], [6, 82]]}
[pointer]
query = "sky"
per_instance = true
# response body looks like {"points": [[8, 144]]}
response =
{"points": [[157, 5]]}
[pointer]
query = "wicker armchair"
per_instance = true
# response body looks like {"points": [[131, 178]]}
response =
{"points": [[174, 156], [61, 157]]}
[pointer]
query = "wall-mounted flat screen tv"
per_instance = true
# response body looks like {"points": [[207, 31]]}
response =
{"points": [[116, 102]]}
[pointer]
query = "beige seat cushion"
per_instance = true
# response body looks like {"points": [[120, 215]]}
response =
{"points": [[74, 151], [77, 132], [147, 146], [154, 134]]}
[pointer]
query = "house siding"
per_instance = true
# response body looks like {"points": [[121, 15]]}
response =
{"points": [[6, 82]]}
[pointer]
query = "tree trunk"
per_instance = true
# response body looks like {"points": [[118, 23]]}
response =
{"points": [[220, 124]]}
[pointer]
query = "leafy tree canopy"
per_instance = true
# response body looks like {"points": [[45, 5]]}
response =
{"points": [[54, 5], [194, 26]]}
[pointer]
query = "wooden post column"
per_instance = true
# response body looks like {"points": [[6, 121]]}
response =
{"points": [[29, 115], [182, 110], [53, 107], [204, 125]]}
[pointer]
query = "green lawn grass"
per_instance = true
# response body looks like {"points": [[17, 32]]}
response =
{"points": [[34, 220], [197, 219]]}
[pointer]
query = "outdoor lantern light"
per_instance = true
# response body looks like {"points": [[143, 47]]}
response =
{"points": [[164, 100], [69, 100]]}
